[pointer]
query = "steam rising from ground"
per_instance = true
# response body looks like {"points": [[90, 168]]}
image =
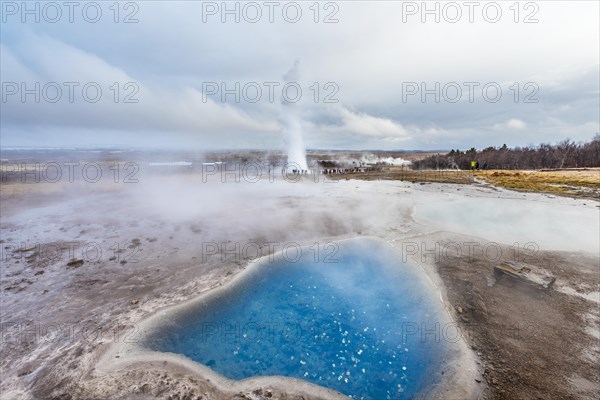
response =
{"points": [[172, 211], [187, 207], [290, 117], [308, 210]]}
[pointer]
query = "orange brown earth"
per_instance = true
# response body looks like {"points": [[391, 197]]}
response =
{"points": [[584, 182]]}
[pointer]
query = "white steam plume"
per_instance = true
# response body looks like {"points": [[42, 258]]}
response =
{"points": [[292, 131]]}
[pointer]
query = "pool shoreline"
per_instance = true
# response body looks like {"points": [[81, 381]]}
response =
{"points": [[458, 372]]}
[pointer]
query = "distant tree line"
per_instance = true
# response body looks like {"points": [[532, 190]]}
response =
{"points": [[565, 154]]}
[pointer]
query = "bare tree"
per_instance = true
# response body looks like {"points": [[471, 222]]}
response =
{"points": [[565, 154]]}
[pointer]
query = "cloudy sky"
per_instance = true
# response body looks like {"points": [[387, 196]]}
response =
{"points": [[372, 75]]}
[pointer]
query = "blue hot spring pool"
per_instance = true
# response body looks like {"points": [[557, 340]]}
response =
{"points": [[360, 321]]}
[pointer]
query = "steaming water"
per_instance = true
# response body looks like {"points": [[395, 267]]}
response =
{"points": [[295, 144], [292, 132], [548, 226], [350, 321]]}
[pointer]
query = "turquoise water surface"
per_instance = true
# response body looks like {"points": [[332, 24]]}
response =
{"points": [[356, 319]]}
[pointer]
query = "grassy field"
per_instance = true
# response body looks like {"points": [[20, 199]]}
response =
{"points": [[398, 173], [583, 182], [569, 182]]}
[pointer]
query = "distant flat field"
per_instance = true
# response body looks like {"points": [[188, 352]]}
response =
{"points": [[584, 182], [406, 174], [570, 182]]}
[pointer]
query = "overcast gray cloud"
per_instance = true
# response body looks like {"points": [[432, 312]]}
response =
{"points": [[362, 78]]}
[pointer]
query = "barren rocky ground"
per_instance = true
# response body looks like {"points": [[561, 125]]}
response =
{"points": [[60, 313]]}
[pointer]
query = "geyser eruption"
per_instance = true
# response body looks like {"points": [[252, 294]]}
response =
{"points": [[290, 117], [294, 142]]}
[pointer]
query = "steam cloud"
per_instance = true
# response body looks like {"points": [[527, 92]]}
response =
{"points": [[292, 131]]}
